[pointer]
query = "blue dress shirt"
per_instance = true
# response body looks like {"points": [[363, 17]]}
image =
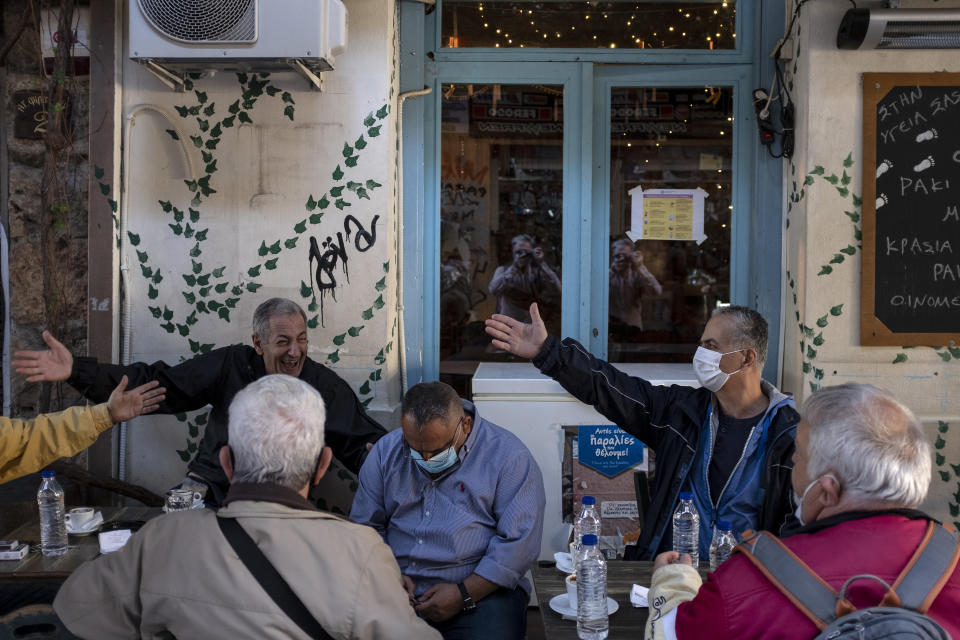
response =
{"points": [[484, 515]]}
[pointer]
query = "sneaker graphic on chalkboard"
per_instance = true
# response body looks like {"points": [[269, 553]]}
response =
{"points": [[925, 164], [885, 166]]}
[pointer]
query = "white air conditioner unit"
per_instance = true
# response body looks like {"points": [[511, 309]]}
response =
{"points": [[172, 37]]}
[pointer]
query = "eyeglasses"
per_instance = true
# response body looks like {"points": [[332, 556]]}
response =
{"points": [[426, 455]]}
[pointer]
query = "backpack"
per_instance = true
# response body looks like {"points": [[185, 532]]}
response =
{"points": [[900, 614]]}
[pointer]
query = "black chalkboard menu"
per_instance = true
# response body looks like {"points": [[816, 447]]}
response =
{"points": [[911, 209]]}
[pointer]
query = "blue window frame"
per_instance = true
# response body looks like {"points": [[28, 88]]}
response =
{"points": [[587, 77]]}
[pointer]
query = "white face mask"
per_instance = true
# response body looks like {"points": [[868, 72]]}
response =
{"points": [[799, 511], [706, 365]]}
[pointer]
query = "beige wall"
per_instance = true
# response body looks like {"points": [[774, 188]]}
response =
{"points": [[822, 334]]}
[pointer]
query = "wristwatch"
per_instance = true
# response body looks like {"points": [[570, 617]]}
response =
{"points": [[468, 603]]}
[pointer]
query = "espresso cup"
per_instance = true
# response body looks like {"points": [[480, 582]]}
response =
{"points": [[79, 517], [571, 581]]}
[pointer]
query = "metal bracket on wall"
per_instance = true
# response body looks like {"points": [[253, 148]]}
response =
{"points": [[164, 75], [315, 79]]}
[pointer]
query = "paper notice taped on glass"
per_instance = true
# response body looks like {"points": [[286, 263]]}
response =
{"points": [[666, 214]]}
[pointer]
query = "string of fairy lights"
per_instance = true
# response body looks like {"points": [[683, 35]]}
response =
{"points": [[609, 25]]}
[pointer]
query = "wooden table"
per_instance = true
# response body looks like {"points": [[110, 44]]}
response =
{"points": [[36, 568], [627, 622]]}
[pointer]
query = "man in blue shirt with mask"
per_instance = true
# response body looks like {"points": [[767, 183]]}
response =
{"points": [[730, 441], [460, 502]]}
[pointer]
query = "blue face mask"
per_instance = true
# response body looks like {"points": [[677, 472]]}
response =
{"points": [[442, 461]]}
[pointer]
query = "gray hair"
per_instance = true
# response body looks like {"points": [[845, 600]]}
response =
{"points": [[427, 401], [872, 442], [269, 309], [276, 431], [521, 238], [751, 330], [622, 242]]}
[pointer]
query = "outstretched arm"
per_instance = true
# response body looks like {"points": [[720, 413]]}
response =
{"points": [[52, 365], [519, 338], [126, 405]]}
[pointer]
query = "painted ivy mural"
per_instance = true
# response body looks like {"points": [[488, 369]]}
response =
{"points": [[205, 287]]}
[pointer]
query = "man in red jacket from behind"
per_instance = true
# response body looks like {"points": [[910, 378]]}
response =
{"points": [[861, 468]]}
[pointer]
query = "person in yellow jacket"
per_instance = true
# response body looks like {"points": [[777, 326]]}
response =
{"points": [[27, 446]]}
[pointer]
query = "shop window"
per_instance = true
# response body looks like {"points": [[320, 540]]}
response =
{"points": [[589, 25]]}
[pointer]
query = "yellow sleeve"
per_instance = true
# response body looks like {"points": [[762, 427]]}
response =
{"points": [[671, 586], [27, 446]]}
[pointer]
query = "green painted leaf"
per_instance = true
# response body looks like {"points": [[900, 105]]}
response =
{"points": [[353, 186], [183, 329], [837, 310], [188, 231], [808, 180], [286, 97], [832, 178], [341, 204], [848, 161], [194, 346], [901, 357], [364, 388], [849, 250], [237, 291], [146, 271], [197, 141], [271, 264], [837, 258], [942, 427], [165, 205], [195, 251], [203, 280], [182, 110], [243, 117], [193, 430], [825, 270], [843, 191], [191, 184], [152, 292], [313, 306], [817, 170], [315, 218], [263, 250], [388, 346], [818, 341], [845, 179], [375, 375], [204, 348], [336, 191], [323, 202], [192, 319], [313, 322], [221, 288], [383, 111], [304, 290], [340, 339], [253, 272], [857, 201], [378, 303], [369, 121], [818, 373], [213, 305], [192, 447], [301, 226], [822, 321], [360, 143], [184, 455], [248, 104], [202, 307], [381, 284], [940, 459], [272, 90], [808, 331], [155, 311], [290, 243], [337, 173], [311, 203], [373, 184], [386, 267], [142, 256], [367, 314], [253, 286], [231, 302], [362, 194], [177, 229], [203, 124], [228, 122], [347, 150], [940, 443], [218, 272], [156, 277], [197, 266], [811, 353], [206, 155], [194, 215], [189, 279], [806, 367], [212, 143], [113, 206], [189, 297], [946, 477], [380, 358], [945, 356], [205, 291], [355, 331], [954, 351], [814, 387], [334, 357], [275, 247], [173, 134], [351, 161], [98, 172], [201, 97], [235, 107], [211, 168], [373, 132], [168, 327], [224, 313]]}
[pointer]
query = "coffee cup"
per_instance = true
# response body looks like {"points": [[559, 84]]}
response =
{"points": [[571, 581], [79, 517]]}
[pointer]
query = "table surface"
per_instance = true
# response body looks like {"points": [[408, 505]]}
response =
{"points": [[627, 622], [36, 568]]}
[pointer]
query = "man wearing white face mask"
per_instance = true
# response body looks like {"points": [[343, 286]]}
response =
{"points": [[862, 467], [729, 441], [460, 502]]}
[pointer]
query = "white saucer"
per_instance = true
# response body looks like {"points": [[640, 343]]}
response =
{"points": [[561, 604], [564, 561], [92, 527]]}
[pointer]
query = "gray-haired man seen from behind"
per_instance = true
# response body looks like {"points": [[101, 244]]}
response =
{"points": [[861, 469], [178, 574]]}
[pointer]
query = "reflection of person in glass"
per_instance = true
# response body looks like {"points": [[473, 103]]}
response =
{"points": [[526, 280], [630, 280]]}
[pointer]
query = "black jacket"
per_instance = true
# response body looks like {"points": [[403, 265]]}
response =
{"points": [[669, 421], [214, 378]]}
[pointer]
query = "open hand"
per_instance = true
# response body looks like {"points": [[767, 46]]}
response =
{"points": [[440, 602], [519, 338], [52, 365], [127, 405]]}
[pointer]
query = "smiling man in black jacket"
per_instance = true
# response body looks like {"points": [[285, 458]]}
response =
{"points": [[729, 442], [279, 346]]}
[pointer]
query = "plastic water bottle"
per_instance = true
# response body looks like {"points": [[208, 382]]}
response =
{"points": [[53, 526], [592, 620], [588, 522], [686, 528], [722, 544]]}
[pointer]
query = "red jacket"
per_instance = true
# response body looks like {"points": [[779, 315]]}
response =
{"points": [[739, 603]]}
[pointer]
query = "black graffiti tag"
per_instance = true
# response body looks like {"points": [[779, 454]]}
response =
{"points": [[333, 250]]}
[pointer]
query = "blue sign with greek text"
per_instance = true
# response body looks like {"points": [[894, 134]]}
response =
{"points": [[608, 449]]}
